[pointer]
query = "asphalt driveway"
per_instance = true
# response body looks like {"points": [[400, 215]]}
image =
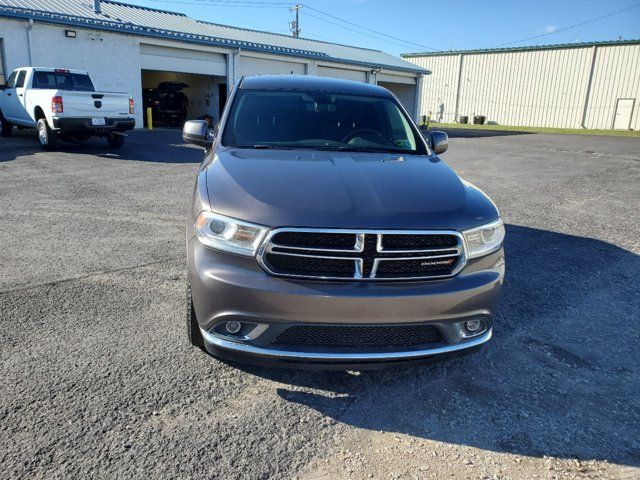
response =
{"points": [[98, 379]]}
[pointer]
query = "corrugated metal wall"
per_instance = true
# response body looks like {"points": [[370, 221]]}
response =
{"points": [[539, 88], [439, 89], [616, 75]]}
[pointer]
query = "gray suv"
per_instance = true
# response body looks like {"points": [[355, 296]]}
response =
{"points": [[326, 232]]}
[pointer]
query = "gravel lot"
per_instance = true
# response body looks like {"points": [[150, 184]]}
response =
{"points": [[98, 380]]}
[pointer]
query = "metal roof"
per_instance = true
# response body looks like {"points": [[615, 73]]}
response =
{"points": [[136, 20], [557, 46]]}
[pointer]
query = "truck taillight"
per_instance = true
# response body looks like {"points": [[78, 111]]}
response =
{"points": [[56, 104], [131, 106]]}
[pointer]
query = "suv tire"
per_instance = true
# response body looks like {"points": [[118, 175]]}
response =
{"points": [[47, 138]]}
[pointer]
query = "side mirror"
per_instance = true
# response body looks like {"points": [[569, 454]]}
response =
{"points": [[438, 141], [196, 132]]}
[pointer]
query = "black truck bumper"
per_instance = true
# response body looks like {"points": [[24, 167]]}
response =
{"points": [[73, 124]]}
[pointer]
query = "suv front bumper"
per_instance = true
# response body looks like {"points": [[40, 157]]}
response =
{"points": [[228, 287]]}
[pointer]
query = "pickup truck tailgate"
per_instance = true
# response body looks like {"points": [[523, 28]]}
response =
{"points": [[94, 104]]}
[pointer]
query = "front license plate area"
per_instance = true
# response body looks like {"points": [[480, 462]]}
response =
{"points": [[98, 122]]}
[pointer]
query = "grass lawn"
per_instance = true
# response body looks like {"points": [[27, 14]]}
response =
{"points": [[617, 133]]}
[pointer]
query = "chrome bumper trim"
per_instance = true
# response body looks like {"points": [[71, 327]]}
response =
{"points": [[221, 343]]}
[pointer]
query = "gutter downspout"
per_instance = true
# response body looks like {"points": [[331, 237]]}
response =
{"points": [[588, 92], [418, 98], [233, 58], [29, 42], [372, 75], [455, 113]]}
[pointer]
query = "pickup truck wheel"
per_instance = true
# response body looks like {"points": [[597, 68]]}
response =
{"points": [[193, 329], [115, 141], [7, 128], [48, 138]]}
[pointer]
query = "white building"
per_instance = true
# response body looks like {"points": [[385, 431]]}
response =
{"points": [[585, 85], [127, 48]]}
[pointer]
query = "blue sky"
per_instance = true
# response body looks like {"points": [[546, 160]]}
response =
{"points": [[463, 24]]}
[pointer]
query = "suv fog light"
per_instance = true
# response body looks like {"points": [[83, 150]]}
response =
{"points": [[473, 325], [233, 327], [472, 328]]}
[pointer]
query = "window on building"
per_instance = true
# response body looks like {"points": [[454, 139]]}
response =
{"points": [[3, 79]]}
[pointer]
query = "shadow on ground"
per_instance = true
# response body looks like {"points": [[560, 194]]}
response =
{"points": [[560, 378], [477, 133], [160, 146]]}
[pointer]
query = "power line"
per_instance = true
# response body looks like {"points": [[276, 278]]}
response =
{"points": [[406, 42], [564, 29], [355, 31]]}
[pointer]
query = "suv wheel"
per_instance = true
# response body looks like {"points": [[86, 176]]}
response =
{"points": [[193, 329], [115, 141], [47, 138], [7, 128]]}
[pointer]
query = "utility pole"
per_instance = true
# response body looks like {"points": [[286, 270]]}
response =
{"points": [[295, 24]]}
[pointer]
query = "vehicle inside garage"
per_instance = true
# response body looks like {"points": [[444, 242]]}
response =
{"points": [[175, 97]]}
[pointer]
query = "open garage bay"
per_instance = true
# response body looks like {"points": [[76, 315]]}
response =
{"points": [[98, 379]]}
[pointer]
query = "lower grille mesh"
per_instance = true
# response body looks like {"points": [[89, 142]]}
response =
{"points": [[358, 336], [298, 265]]}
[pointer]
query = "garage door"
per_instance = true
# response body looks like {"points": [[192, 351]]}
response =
{"points": [[154, 57], [264, 66], [390, 78], [357, 75], [405, 93]]}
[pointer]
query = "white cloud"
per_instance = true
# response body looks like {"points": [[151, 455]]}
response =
{"points": [[550, 29]]}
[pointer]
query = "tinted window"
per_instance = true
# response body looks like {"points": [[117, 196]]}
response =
{"points": [[319, 120], [62, 81], [20, 80], [11, 83]]}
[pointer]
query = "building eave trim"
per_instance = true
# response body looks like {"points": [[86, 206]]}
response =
{"points": [[531, 48], [133, 29]]}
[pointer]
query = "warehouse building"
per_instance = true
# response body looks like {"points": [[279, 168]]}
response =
{"points": [[127, 48], [585, 85]]}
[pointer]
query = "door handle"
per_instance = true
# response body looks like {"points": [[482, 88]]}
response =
{"points": [[19, 94], [8, 94]]}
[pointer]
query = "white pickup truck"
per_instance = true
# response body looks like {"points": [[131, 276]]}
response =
{"points": [[63, 104]]}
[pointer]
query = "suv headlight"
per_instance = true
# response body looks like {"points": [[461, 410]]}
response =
{"points": [[483, 240], [228, 234]]}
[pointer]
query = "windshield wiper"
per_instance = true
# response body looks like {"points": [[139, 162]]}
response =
{"points": [[263, 146], [368, 149]]}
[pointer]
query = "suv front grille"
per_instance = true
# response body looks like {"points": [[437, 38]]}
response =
{"points": [[358, 336], [362, 255]]}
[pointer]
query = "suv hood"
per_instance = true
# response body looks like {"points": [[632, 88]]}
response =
{"points": [[171, 86], [287, 188]]}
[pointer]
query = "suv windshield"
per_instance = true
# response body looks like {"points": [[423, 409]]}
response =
{"points": [[62, 81], [319, 120]]}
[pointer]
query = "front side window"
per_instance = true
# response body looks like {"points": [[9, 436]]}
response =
{"points": [[319, 120], [20, 79]]}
